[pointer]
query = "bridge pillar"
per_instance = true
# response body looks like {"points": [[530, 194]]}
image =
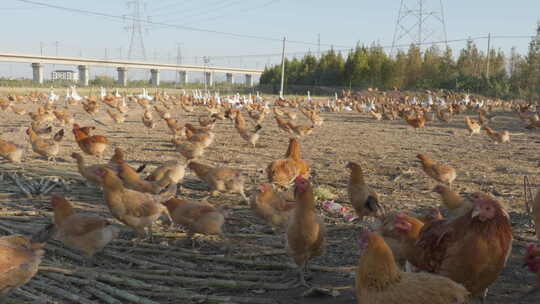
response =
{"points": [[209, 78], [83, 75], [183, 77], [230, 79], [249, 80], [122, 76], [37, 72], [154, 80]]}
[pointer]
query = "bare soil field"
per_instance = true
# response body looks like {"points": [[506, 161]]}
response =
{"points": [[248, 265]]}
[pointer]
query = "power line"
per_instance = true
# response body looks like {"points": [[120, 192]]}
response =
{"points": [[204, 15], [218, 8], [14, 8], [231, 4], [510, 36], [381, 46], [188, 28], [236, 13], [340, 48], [169, 5], [298, 53], [193, 9]]}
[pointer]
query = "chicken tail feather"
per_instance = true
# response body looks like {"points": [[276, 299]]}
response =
{"points": [[141, 168], [372, 204], [44, 235]]}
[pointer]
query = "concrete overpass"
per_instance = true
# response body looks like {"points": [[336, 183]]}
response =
{"points": [[83, 64]]}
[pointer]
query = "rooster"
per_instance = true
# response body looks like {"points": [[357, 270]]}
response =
{"points": [[471, 250], [379, 281]]}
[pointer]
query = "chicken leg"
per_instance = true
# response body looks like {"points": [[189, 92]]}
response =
{"points": [[302, 272], [483, 296]]}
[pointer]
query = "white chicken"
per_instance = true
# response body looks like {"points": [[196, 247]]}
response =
{"points": [[52, 96]]}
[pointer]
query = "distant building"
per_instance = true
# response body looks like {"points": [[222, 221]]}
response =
{"points": [[68, 75]]}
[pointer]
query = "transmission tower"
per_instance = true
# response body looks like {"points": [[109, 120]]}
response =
{"points": [[136, 42], [419, 22]]}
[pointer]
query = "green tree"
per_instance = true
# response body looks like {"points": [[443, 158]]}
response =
{"points": [[413, 69], [470, 60], [433, 68], [532, 70]]}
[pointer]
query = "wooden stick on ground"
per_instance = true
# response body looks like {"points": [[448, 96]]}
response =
{"points": [[19, 184], [102, 296], [63, 293]]}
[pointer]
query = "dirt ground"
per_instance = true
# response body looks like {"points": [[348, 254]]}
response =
{"points": [[247, 267]]}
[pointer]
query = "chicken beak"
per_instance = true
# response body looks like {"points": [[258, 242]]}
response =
{"points": [[475, 213]]}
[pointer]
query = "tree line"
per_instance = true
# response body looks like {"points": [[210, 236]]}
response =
{"points": [[472, 70]]}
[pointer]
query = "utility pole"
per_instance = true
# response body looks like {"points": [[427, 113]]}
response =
{"points": [[179, 53], [41, 45], [488, 55], [178, 59], [120, 52], [206, 60], [56, 43], [318, 45], [282, 69], [106, 58]]}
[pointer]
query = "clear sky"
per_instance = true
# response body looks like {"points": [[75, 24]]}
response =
{"points": [[341, 23]]}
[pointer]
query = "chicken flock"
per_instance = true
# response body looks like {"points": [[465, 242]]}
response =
{"points": [[404, 257]]}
